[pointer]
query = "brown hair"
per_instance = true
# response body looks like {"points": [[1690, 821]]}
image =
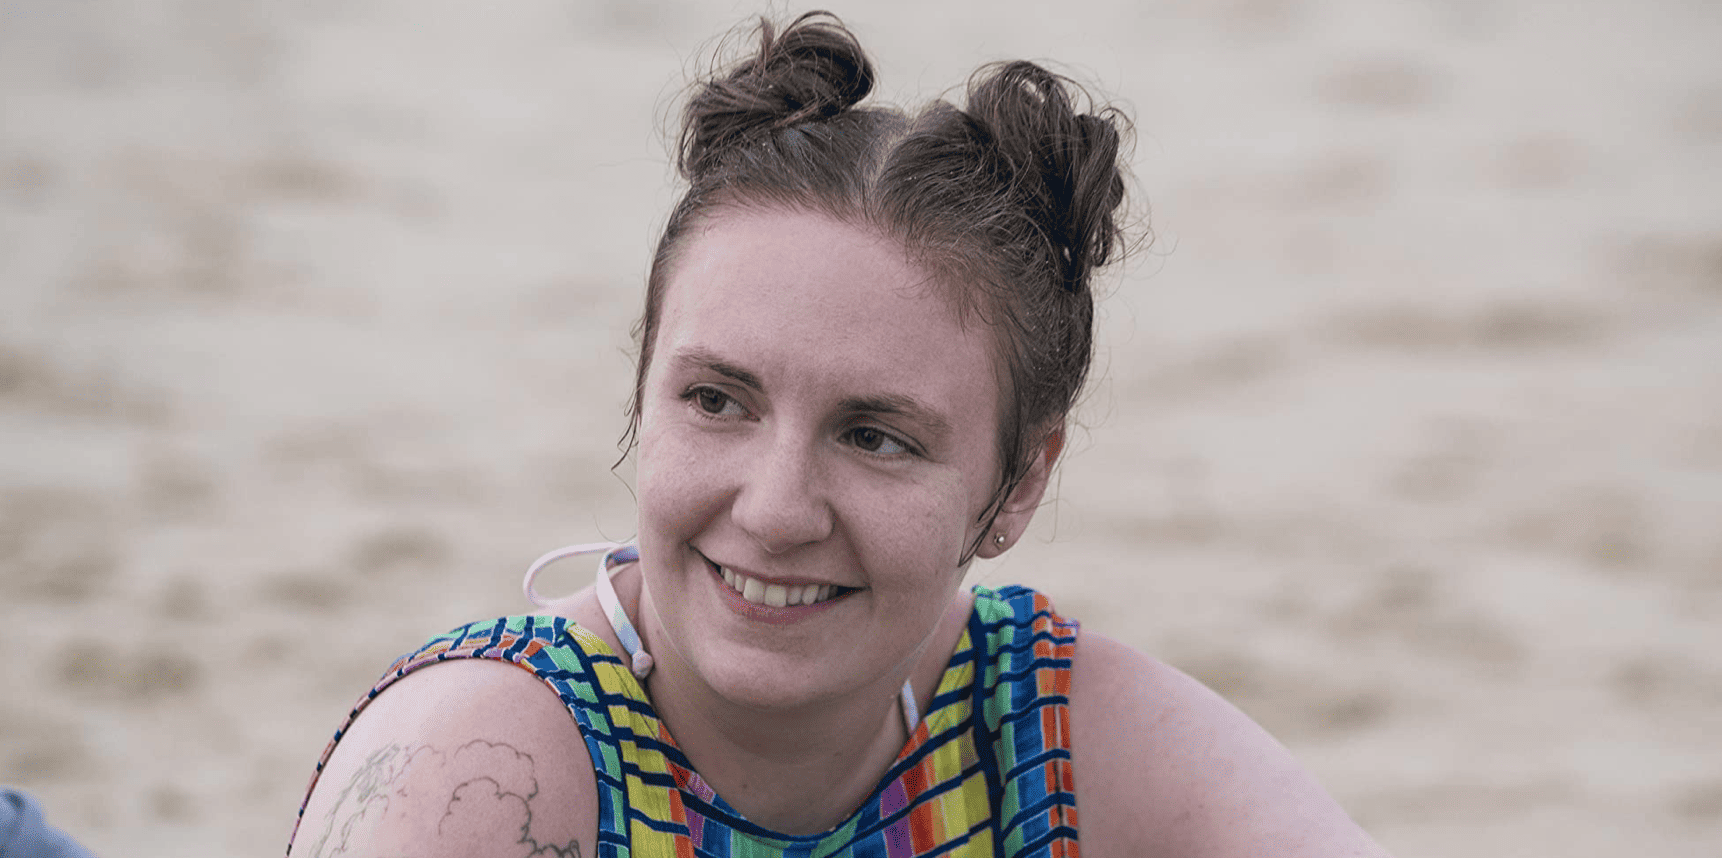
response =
{"points": [[1011, 201]]}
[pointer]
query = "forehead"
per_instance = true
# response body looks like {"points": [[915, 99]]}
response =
{"points": [[814, 297]]}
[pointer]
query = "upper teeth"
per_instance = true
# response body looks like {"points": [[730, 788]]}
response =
{"points": [[777, 595]]}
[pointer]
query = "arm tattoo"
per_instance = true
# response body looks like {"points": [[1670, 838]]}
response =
{"points": [[477, 800]]}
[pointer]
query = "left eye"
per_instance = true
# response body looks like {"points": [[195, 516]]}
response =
{"points": [[874, 441]]}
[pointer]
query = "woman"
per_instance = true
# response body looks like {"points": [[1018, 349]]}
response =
{"points": [[864, 331]]}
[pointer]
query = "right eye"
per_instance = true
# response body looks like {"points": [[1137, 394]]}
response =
{"points": [[714, 403]]}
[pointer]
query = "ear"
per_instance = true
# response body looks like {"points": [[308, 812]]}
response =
{"points": [[1019, 508]]}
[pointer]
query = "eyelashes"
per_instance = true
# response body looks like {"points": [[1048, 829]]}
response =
{"points": [[872, 439]]}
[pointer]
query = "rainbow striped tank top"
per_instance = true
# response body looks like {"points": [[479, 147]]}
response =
{"points": [[987, 772]]}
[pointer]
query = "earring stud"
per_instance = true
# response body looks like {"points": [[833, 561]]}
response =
{"points": [[998, 539]]}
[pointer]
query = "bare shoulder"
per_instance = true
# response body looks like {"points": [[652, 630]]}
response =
{"points": [[466, 757], [1164, 766]]}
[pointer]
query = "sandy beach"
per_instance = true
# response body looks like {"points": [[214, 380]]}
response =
{"points": [[1406, 436]]}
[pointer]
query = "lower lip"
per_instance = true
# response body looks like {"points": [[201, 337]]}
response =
{"points": [[766, 613]]}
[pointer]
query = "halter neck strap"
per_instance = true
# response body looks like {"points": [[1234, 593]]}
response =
{"points": [[639, 661]]}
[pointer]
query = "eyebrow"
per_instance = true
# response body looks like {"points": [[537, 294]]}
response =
{"points": [[904, 406], [698, 358]]}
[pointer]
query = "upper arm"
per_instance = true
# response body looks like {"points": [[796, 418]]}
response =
{"points": [[1164, 766], [461, 758]]}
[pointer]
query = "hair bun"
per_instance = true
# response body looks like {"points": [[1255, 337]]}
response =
{"points": [[1064, 163], [813, 70]]}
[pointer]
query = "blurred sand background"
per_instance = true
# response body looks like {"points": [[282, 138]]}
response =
{"points": [[313, 333]]}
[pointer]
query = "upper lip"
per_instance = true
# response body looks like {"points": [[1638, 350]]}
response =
{"points": [[768, 579]]}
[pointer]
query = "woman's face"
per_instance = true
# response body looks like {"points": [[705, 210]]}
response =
{"points": [[817, 442]]}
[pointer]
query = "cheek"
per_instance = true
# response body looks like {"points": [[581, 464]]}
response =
{"points": [[921, 529], [676, 490], [669, 476]]}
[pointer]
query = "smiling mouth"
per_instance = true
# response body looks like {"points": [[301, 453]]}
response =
{"points": [[759, 592]]}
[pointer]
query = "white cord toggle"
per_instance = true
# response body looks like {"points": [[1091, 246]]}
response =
{"points": [[911, 713]]}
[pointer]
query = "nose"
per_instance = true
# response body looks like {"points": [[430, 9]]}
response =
{"points": [[781, 503]]}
